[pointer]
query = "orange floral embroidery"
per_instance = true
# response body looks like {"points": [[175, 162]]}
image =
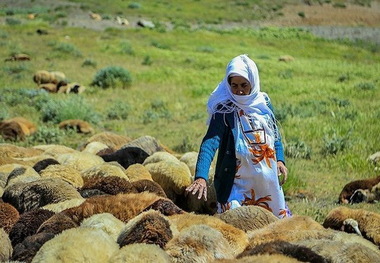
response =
{"points": [[282, 213], [225, 207], [264, 152], [259, 202]]}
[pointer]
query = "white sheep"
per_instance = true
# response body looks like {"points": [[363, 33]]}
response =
{"points": [[54, 150], [248, 217], [173, 176], [160, 156], [137, 172], [63, 205], [105, 221], [199, 243], [65, 172], [140, 253], [78, 245], [6, 246], [105, 169], [80, 160]]}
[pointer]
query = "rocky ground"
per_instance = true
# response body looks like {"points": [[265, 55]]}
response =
{"points": [[352, 22]]}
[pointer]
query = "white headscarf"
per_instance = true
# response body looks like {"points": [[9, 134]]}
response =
{"points": [[252, 104]]}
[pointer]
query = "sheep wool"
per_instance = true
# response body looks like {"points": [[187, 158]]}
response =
{"points": [[160, 156], [199, 243], [248, 217], [8, 216], [137, 172], [54, 150], [112, 140], [341, 251], [6, 246], [173, 177], [80, 160], [103, 170], [65, 172], [149, 227], [22, 174], [77, 245], [13, 151], [368, 222], [236, 238], [140, 253], [60, 206], [105, 221], [95, 147]]}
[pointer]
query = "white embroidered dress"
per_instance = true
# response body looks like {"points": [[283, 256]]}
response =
{"points": [[256, 181]]}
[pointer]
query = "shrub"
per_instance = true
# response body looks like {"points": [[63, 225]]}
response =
{"points": [[67, 48], [365, 86], [88, 62], [297, 149], [160, 45], [126, 48], [73, 107], [158, 111], [134, 5], [112, 76], [118, 111], [47, 135], [185, 146], [334, 143], [147, 61], [12, 21], [301, 14]]}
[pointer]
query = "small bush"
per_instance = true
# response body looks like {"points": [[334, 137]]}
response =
{"points": [[118, 111], [158, 111], [126, 48], [344, 77], [334, 143], [47, 135], [73, 107], [206, 49], [112, 76], [297, 149], [134, 5], [365, 86], [147, 61], [88, 62], [301, 14], [160, 45], [185, 146], [12, 21], [67, 48]]}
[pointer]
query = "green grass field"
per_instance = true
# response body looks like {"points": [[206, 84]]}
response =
{"points": [[327, 100]]}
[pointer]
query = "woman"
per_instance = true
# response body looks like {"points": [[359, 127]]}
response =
{"points": [[243, 129]]}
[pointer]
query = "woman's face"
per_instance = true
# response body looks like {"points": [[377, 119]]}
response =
{"points": [[240, 86]]}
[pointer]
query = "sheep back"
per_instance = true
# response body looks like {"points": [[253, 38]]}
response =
{"points": [[105, 221], [137, 172], [140, 253], [6, 246]]}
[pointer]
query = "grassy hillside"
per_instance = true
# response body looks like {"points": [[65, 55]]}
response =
{"points": [[327, 99]]}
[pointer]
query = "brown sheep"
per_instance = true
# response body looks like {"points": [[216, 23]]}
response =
{"points": [[117, 204], [42, 77], [28, 248], [13, 131], [148, 227], [8, 216], [108, 185], [350, 188], [57, 224], [28, 224], [18, 57], [79, 126], [149, 186], [299, 252], [13, 151], [368, 222]]}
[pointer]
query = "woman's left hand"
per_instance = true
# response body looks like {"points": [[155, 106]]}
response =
{"points": [[282, 171]]}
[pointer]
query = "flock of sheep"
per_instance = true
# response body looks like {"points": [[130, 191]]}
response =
{"points": [[115, 199]]}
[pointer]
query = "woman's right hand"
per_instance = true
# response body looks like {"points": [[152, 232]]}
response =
{"points": [[200, 186]]}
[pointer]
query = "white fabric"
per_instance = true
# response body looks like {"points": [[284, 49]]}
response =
{"points": [[256, 172], [254, 102]]}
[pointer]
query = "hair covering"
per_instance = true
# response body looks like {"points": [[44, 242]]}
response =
{"points": [[253, 103]]}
